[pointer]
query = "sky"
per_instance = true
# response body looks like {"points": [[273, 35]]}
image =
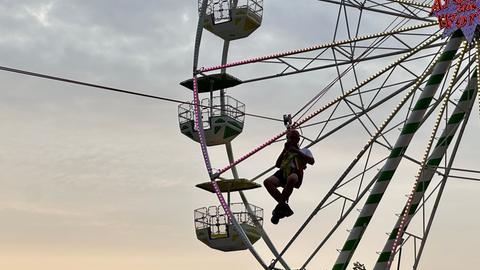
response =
{"points": [[100, 180]]}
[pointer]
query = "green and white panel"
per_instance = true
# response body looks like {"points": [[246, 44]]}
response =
{"points": [[464, 106], [390, 166]]}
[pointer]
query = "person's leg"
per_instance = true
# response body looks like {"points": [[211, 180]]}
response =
{"points": [[292, 181], [271, 184], [283, 209]]}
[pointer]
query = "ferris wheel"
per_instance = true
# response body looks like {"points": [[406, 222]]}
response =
{"points": [[402, 74]]}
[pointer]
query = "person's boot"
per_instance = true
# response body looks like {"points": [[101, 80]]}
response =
{"points": [[280, 211], [285, 210], [276, 214], [275, 219]]}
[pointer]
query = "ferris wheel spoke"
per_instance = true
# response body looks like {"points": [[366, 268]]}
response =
{"points": [[385, 86], [418, 7], [389, 4], [309, 117], [317, 47], [448, 168], [401, 41], [397, 126], [400, 147], [409, 9], [346, 60], [468, 178], [364, 109], [360, 107], [342, 51], [354, 162], [285, 71], [409, 84], [344, 174], [461, 170], [332, 119], [318, 96], [407, 70], [394, 127], [376, 44], [426, 226], [413, 3], [321, 137], [343, 216], [381, 8], [372, 106], [360, 194], [464, 177], [329, 119], [373, 124]]}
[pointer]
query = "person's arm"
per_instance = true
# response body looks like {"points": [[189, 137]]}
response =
{"points": [[305, 158]]}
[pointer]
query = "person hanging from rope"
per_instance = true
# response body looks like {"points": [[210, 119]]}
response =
{"points": [[291, 162]]}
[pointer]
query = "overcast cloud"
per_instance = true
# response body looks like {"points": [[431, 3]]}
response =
{"points": [[99, 180]]}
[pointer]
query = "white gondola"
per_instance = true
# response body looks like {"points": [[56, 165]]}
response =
{"points": [[232, 19], [215, 230], [221, 122]]}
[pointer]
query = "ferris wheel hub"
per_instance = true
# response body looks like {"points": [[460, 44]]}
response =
{"points": [[457, 15]]}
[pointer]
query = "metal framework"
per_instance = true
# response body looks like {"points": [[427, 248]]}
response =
{"points": [[414, 82]]}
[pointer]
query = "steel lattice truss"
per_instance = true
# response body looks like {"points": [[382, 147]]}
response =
{"points": [[380, 83]]}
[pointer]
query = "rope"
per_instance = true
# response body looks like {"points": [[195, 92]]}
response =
{"points": [[118, 90]]}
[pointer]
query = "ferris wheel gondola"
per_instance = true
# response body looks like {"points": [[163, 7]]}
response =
{"points": [[222, 119]]}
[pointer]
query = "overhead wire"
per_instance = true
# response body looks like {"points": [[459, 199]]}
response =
{"points": [[114, 89]]}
